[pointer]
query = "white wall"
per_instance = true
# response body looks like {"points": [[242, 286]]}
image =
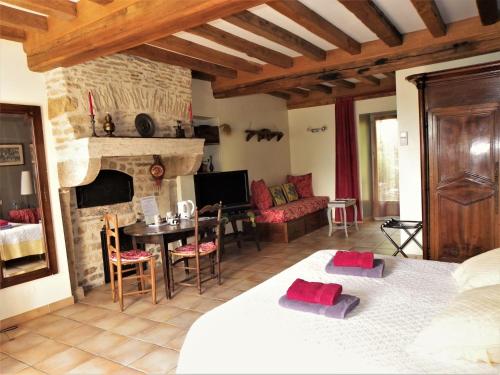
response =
{"points": [[18, 85], [315, 152], [408, 118], [269, 160]]}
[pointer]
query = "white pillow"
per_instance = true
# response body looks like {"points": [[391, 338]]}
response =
{"points": [[469, 328], [478, 271]]}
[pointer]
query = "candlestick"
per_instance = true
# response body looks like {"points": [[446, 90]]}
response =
{"points": [[92, 123], [91, 104]]}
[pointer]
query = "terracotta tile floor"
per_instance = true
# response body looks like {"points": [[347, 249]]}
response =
{"points": [[93, 337]]}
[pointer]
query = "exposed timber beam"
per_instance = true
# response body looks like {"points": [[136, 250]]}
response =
{"points": [[345, 84], [12, 33], [63, 9], [235, 42], [186, 47], [360, 92], [279, 94], [321, 88], [369, 80], [299, 91], [375, 20], [168, 57], [21, 19], [260, 26], [202, 76], [464, 38], [313, 22], [488, 11], [120, 25], [102, 2], [429, 12]]}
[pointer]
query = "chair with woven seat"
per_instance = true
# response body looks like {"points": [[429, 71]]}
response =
{"points": [[117, 259], [206, 244]]}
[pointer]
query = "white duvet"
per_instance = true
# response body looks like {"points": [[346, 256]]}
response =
{"points": [[253, 334]]}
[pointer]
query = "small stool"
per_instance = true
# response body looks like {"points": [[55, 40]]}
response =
{"points": [[342, 204], [405, 225]]}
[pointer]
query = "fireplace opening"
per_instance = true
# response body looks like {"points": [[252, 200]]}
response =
{"points": [[109, 187]]}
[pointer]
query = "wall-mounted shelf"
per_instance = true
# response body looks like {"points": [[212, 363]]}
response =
{"points": [[266, 134]]}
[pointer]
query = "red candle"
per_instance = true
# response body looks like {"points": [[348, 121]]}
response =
{"points": [[91, 104]]}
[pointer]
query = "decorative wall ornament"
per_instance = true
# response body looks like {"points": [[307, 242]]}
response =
{"points": [[157, 170], [109, 125], [266, 134], [317, 130]]}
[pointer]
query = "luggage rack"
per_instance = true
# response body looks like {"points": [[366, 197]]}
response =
{"points": [[407, 226]]}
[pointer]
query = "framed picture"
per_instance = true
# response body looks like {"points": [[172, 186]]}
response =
{"points": [[11, 154]]}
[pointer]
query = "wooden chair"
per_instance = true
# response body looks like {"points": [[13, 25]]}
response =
{"points": [[206, 246], [117, 259]]}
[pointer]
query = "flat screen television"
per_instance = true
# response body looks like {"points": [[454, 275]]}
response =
{"points": [[230, 188]]}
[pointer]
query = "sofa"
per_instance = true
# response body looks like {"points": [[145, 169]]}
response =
{"points": [[293, 219]]}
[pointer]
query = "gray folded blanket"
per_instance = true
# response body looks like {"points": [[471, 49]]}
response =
{"points": [[377, 271], [345, 303]]}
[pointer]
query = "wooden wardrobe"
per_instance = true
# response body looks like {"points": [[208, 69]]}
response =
{"points": [[460, 155]]}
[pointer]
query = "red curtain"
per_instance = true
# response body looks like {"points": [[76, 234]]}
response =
{"points": [[346, 156]]}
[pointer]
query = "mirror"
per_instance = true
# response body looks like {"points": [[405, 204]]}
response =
{"points": [[27, 248]]}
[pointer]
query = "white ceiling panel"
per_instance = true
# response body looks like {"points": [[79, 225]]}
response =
{"points": [[456, 10], [402, 14]]}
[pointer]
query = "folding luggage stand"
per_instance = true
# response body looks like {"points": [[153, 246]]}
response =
{"points": [[405, 225]]}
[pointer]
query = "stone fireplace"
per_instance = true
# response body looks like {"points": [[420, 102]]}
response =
{"points": [[123, 86]]}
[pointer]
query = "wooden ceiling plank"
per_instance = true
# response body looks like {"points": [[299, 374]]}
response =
{"points": [[369, 80], [235, 42], [279, 94], [168, 57], [119, 26], [464, 38], [299, 91], [260, 26], [429, 12], [316, 24], [198, 51], [12, 33], [321, 88], [345, 84], [373, 18], [63, 9], [488, 11], [19, 18]]}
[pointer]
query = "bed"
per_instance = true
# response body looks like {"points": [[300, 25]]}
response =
{"points": [[253, 334], [21, 240]]}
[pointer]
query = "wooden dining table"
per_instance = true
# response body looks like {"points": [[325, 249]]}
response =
{"points": [[162, 235]]}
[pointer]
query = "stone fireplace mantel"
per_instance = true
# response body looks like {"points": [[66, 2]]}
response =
{"points": [[81, 161]]}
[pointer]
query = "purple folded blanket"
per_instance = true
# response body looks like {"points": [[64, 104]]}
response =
{"points": [[345, 303], [377, 270]]}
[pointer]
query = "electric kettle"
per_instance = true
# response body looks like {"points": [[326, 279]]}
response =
{"points": [[184, 210]]}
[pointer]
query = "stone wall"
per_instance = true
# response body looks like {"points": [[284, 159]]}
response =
{"points": [[124, 86]]}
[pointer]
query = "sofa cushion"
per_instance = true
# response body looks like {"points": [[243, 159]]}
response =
{"points": [[303, 184], [292, 210], [25, 216], [260, 195], [277, 194], [290, 192]]}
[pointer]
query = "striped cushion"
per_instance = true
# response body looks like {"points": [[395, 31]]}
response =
{"points": [[132, 255], [205, 247]]}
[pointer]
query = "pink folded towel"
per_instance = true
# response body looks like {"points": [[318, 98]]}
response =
{"points": [[314, 292], [353, 259]]}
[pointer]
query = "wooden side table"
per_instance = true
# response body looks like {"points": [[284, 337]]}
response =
{"points": [[342, 204]]}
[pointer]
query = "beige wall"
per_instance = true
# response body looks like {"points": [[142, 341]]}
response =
{"points": [[408, 118], [269, 160], [315, 152], [21, 86]]}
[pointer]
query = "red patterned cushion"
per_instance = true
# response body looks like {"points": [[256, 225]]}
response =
{"points": [[292, 210], [303, 184], [205, 247], [25, 215], [260, 195], [132, 255]]}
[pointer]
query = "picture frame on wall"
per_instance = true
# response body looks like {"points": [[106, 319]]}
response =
{"points": [[11, 154]]}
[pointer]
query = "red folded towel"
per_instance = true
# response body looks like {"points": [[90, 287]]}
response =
{"points": [[3, 222], [353, 259], [314, 292]]}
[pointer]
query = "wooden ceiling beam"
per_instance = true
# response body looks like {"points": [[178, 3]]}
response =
{"points": [[260, 26], [429, 12], [100, 31], [102, 2], [313, 22], [168, 57], [21, 19], [488, 11], [299, 91], [279, 94], [63, 9], [235, 42], [321, 88], [464, 38], [369, 80], [12, 33], [373, 18], [186, 47], [360, 92], [345, 84], [202, 76]]}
